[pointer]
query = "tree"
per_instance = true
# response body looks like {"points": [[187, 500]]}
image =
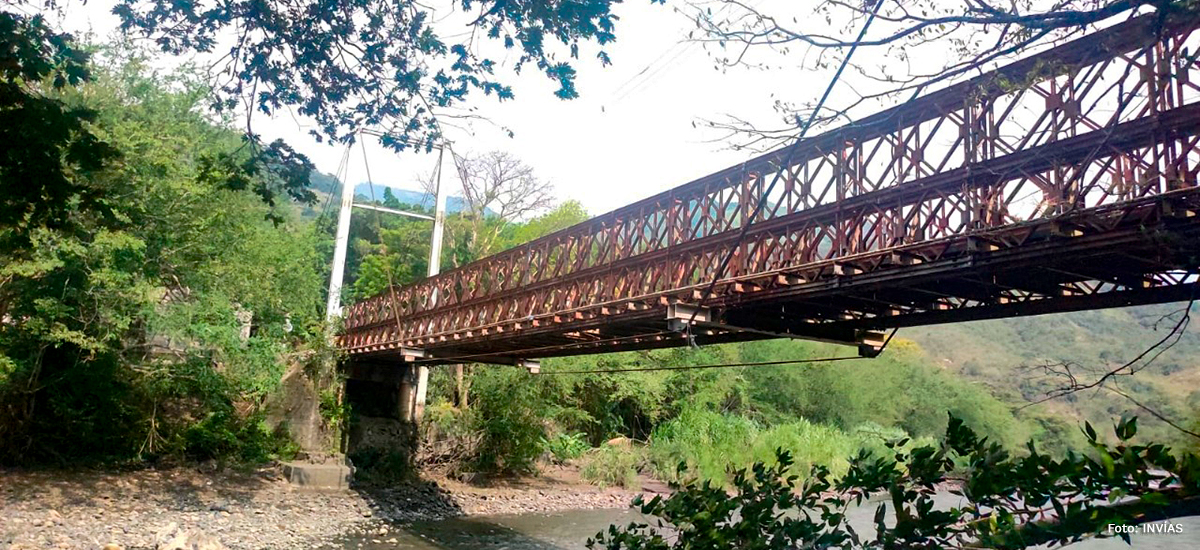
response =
{"points": [[349, 65], [393, 66], [389, 198], [52, 145], [498, 189], [120, 336], [930, 41], [564, 215], [46, 139], [1069, 378]]}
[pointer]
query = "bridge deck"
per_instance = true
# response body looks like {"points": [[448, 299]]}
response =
{"points": [[1074, 190]]}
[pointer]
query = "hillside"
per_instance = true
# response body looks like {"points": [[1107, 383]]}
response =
{"points": [[1006, 355]]}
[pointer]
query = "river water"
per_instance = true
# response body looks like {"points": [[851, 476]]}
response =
{"points": [[570, 531]]}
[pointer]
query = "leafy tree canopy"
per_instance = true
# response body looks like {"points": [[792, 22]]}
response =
{"points": [[46, 140], [123, 335], [386, 64]]}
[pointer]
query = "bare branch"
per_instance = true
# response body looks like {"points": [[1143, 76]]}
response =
{"points": [[1068, 371], [927, 43]]}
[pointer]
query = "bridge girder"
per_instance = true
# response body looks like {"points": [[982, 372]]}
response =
{"points": [[1076, 190]]}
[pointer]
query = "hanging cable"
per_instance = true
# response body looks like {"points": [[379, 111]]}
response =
{"points": [[519, 352], [387, 266], [701, 367], [729, 365], [338, 176]]}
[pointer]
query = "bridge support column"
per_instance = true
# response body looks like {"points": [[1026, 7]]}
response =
{"points": [[383, 397], [409, 396], [419, 392]]}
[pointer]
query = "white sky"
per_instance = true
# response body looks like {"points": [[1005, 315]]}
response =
{"points": [[634, 131], [627, 137]]}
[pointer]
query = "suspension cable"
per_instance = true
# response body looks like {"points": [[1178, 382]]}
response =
{"points": [[518, 352], [387, 265]]}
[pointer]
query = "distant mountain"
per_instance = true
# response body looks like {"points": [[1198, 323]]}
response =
{"points": [[454, 204], [325, 184], [1006, 355]]}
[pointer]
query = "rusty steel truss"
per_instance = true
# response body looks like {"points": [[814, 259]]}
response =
{"points": [[1061, 182]]}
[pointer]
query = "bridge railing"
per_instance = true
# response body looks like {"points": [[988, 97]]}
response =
{"points": [[1104, 119]]}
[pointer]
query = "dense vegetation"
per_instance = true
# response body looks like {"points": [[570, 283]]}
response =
{"points": [[711, 419], [1030, 500], [121, 331], [1007, 357], [162, 276], [162, 328]]}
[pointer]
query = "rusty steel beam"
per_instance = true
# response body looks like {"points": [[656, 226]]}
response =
{"points": [[1078, 145]]}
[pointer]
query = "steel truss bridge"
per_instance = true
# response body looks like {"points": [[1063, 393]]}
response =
{"points": [[1064, 181]]}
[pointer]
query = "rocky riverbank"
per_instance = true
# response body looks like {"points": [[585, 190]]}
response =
{"points": [[251, 511]]}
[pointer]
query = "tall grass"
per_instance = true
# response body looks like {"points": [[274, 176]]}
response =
{"points": [[711, 444], [613, 466]]}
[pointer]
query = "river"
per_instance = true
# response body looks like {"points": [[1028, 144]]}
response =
{"points": [[570, 530]]}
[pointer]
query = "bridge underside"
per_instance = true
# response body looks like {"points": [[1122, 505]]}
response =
{"points": [[1139, 253]]}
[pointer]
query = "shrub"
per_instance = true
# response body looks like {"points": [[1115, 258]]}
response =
{"points": [[449, 438], [510, 419], [707, 442], [613, 466], [222, 435], [810, 444], [566, 447], [1010, 502], [710, 444]]}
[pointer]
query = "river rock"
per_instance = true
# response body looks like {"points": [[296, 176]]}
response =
{"points": [[172, 537]]}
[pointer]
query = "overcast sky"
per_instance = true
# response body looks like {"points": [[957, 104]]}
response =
{"points": [[628, 136], [635, 130]]}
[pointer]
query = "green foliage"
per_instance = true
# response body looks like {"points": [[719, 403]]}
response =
{"points": [[509, 420], [564, 448], [899, 388], [614, 466], [122, 337], [561, 217], [706, 441], [294, 56], [1009, 502], [50, 143], [222, 435], [712, 444], [992, 353], [445, 420], [713, 419]]}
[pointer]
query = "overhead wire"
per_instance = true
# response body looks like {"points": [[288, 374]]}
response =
{"points": [[613, 340], [338, 176], [685, 47], [724, 265], [741, 235], [387, 266], [702, 367], [724, 365], [783, 167]]}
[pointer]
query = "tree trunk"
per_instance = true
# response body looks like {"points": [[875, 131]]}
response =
{"points": [[460, 395]]}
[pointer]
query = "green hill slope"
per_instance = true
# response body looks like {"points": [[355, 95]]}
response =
{"points": [[1008, 356]]}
